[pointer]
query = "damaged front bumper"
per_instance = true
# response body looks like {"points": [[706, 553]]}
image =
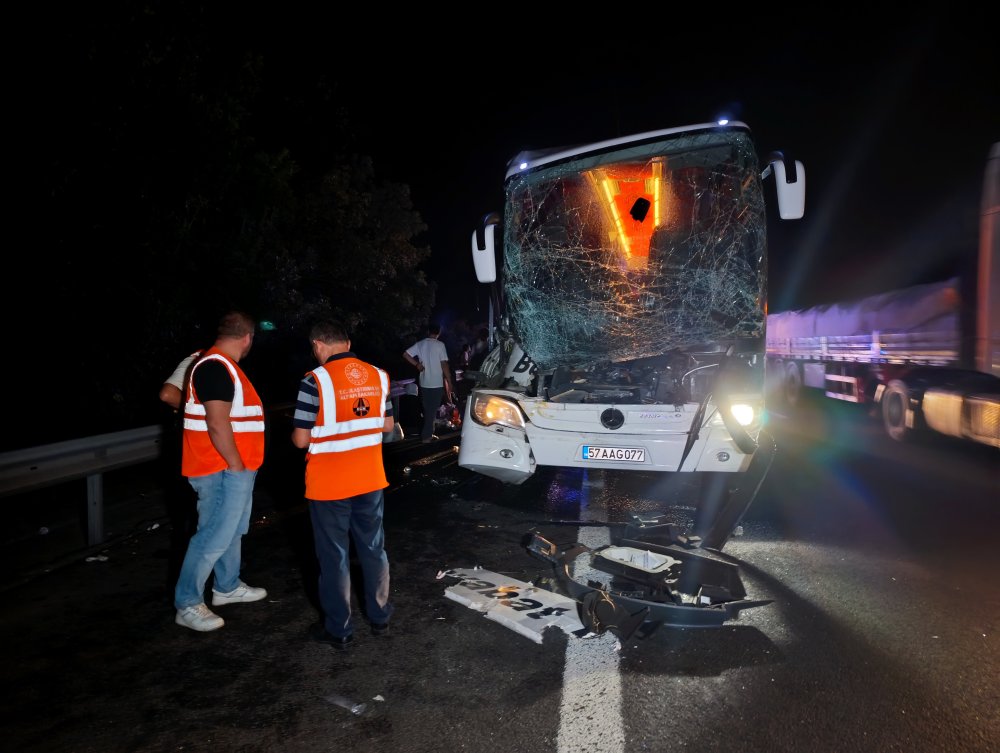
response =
{"points": [[658, 578]]}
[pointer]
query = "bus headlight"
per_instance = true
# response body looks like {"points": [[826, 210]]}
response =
{"points": [[743, 417], [744, 413], [489, 409]]}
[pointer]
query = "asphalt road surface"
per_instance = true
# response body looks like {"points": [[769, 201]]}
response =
{"points": [[882, 633]]}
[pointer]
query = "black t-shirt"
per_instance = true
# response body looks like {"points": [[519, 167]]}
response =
{"points": [[212, 381]]}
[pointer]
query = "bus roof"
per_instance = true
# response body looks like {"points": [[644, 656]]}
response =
{"points": [[531, 159]]}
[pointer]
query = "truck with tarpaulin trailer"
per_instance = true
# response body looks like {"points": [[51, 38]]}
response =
{"points": [[925, 359]]}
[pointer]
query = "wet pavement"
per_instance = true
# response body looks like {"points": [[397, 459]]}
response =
{"points": [[880, 634], [94, 662]]}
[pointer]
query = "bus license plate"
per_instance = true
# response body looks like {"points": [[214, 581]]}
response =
{"points": [[621, 454]]}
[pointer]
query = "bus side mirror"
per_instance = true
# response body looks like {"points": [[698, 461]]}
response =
{"points": [[483, 256], [790, 185]]}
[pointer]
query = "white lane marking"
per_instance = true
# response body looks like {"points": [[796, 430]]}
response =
{"points": [[590, 713]]}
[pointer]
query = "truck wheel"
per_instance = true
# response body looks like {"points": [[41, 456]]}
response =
{"points": [[895, 408], [791, 385]]}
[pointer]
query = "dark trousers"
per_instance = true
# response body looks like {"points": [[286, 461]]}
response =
{"points": [[335, 523], [430, 400]]}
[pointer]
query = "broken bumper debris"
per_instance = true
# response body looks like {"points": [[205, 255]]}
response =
{"points": [[522, 607], [657, 580], [656, 577]]}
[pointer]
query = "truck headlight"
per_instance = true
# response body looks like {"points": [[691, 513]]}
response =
{"points": [[492, 409]]}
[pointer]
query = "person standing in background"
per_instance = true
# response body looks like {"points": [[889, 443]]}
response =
{"points": [[172, 391], [223, 448], [342, 410], [180, 497], [430, 357], [479, 350]]}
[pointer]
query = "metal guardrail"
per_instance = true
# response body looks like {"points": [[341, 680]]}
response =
{"points": [[91, 457]]}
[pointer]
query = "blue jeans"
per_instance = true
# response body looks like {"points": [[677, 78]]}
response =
{"points": [[335, 523], [430, 401], [224, 502]]}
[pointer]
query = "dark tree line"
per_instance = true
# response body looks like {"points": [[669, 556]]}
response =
{"points": [[180, 159]]}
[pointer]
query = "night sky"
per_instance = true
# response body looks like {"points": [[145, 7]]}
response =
{"points": [[893, 117], [892, 113]]}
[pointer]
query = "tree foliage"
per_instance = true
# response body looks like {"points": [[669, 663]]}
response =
{"points": [[178, 172]]}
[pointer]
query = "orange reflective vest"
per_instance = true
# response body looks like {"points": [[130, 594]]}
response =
{"points": [[345, 450], [200, 458]]}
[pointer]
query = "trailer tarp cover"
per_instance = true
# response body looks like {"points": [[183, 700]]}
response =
{"points": [[933, 307]]}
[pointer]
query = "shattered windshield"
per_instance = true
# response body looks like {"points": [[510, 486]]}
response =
{"points": [[653, 247]]}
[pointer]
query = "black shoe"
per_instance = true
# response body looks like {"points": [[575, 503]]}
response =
{"points": [[320, 634], [380, 628]]}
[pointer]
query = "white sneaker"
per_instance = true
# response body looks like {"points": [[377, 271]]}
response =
{"points": [[200, 618], [242, 592]]}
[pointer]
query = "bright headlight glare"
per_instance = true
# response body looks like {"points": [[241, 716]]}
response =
{"points": [[744, 413], [491, 409]]}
